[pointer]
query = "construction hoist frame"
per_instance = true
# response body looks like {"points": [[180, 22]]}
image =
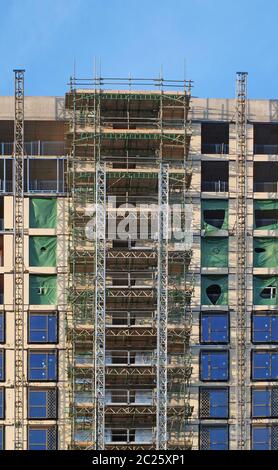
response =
{"points": [[18, 158], [241, 149], [162, 307]]}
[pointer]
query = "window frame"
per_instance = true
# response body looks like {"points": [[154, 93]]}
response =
{"points": [[210, 426], [3, 353], [262, 426], [207, 312], [213, 351], [262, 351], [2, 441], [261, 314], [39, 389], [55, 312], [201, 390], [2, 391], [43, 351], [2, 312], [42, 428]]}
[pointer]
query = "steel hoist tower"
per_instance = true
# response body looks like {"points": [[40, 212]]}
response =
{"points": [[241, 150], [19, 259], [162, 308]]}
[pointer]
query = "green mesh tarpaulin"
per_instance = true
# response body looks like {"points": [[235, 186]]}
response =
{"points": [[214, 252], [265, 290], [214, 215], [42, 251], [266, 219], [265, 253], [42, 289], [214, 290], [42, 212]]}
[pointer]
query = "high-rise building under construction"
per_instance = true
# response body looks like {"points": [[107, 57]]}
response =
{"points": [[138, 278]]}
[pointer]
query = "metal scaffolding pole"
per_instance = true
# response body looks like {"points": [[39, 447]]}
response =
{"points": [[19, 259], [162, 308], [100, 265], [241, 149]]}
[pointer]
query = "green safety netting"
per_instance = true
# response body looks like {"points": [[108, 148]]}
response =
{"points": [[214, 290], [265, 253], [42, 251], [266, 220], [42, 289], [214, 215], [43, 212], [214, 252], [265, 290]]}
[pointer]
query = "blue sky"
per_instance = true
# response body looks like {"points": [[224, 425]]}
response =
{"points": [[214, 38]]}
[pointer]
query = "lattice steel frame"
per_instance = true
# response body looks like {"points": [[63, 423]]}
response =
{"points": [[19, 259], [241, 150], [162, 308]]}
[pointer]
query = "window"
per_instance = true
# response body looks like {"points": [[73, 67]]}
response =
{"points": [[2, 403], [265, 437], [265, 402], [43, 327], [265, 328], [2, 365], [214, 365], [214, 403], [42, 438], [214, 438], [2, 327], [42, 404], [265, 365], [2, 438], [42, 365], [215, 327]]}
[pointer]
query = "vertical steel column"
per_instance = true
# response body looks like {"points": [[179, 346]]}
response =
{"points": [[100, 266], [19, 259], [241, 149], [162, 308]]}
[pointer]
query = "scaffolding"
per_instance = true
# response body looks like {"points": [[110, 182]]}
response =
{"points": [[241, 148], [19, 259], [129, 317]]}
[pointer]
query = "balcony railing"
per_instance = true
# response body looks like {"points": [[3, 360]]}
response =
{"points": [[265, 149], [222, 149], [215, 186], [129, 436], [129, 358], [35, 148], [46, 186], [266, 187], [117, 319], [129, 397]]}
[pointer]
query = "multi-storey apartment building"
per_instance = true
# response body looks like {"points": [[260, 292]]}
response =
{"points": [[126, 338]]}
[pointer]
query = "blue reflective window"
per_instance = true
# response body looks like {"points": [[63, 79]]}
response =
{"points": [[261, 403], [261, 438], [2, 403], [214, 438], [42, 404], [2, 446], [214, 403], [265, 328], [2, 327], [214, 365], [215, 328], [42, 438], [42, 365], [43, 328], [265, 365], [2, 365]]}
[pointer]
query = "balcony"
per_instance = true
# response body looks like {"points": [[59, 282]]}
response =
{"points": [[215, 176], [35, 148], [265, 177], [129, 397], [219, 149], [215, 138], [215, 186], [266, 138], [129, 436]]}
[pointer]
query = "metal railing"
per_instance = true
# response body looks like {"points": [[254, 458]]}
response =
{"points": [[129, 358], [222, 149], [129, 397], [265, 149], [47, 186], [116, 319], [215, 186], [129, 436], [266, 187], [36, 148]]}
